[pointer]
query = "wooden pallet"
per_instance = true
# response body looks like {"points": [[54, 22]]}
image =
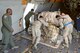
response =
{"points": [[41, 42], [28, 49]]}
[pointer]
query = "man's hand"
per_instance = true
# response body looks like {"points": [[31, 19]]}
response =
{"points": [[63, 27], [36, 13], [12, 30]]}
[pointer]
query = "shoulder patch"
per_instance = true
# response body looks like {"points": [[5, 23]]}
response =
{"points": [[5, 16]]}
